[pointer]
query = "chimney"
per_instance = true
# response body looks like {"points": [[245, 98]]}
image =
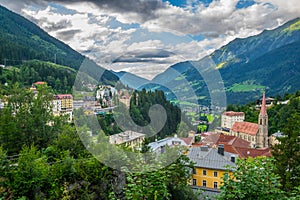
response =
{"points": [[232, 158], [221, 149], [204, 148]]}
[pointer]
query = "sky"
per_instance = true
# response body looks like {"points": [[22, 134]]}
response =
{"points": [[145, 37]]}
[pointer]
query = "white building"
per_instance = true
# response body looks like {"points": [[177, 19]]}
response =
{"points": [[230, 117], [130, 138]]}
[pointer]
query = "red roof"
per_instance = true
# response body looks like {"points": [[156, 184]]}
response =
{"points": [[248, 152], [263, 109], [245, 127], [234, 145], [232, 113], [63, 96], [188, 140], [39, 83], [210, 140]]}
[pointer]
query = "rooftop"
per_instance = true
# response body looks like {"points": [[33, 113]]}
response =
{"points": [[63, 96], [232, 113], [123, 137], [170, 141], [245, 127], [278, 134], [210, 158]]}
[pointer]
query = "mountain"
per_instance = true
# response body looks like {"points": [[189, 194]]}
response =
{"points": [[20, 40], [130, 80], [269, 60]]}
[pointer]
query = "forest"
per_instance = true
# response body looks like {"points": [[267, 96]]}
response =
{"points": [[42, 157]]}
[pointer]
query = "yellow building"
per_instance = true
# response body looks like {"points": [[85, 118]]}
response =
{"points": [[210, 166], [63, 105]]}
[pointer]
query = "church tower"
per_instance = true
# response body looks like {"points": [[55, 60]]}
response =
{"points": [[262, 136]]}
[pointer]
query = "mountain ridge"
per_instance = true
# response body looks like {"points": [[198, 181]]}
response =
{"points": [[22, 39], [241, 55]]}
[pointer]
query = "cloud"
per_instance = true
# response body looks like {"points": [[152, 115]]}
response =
{"points": [[56, 26], [141, 33], [68, 34]]}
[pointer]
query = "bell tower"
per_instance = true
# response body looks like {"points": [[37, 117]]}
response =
{"points": [[262, 136]]}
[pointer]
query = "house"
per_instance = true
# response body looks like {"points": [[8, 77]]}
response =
{"points": [[256, 134], [129, 138], [210, 166], [63, 105], [273, 139], [34, 86], [269, 102], [229, 118], [160, 146]]}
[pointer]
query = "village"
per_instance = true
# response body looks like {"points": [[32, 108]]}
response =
{"points": [[212, 152]]}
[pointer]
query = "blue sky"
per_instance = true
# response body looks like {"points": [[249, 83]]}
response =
{"points": [[106, 30]]}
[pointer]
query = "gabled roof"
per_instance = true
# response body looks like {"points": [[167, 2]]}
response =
{"points": [[232, 113], [248, 152], [219, 138], [210, 159], [210, 140], [245, 127], [188, 141], [170, 141]]}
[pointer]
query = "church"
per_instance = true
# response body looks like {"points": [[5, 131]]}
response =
{"points": [[255, 133]]}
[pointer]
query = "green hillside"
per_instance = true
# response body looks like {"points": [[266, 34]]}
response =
{"points": [[269, 60], [21, 40]]}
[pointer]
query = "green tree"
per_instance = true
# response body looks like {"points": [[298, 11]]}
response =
{"points": [[287, 154], [30, 178], [253, 178]]}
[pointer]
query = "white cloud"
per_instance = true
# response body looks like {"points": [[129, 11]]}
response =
{"points": [[88, 30]]}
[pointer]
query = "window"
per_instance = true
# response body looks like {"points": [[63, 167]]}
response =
{"points": [[215, 174], [215, 184], [194, 181], [204, 183], [204, 172], [194, 171]]}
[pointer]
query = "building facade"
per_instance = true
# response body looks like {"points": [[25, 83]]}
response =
{"points": [[210, 166], [256, 134], [129, 138], [230, 117], [63, 105]]}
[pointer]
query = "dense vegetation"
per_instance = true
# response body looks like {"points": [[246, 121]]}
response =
{"points": [[140, 104], [42, 157], [59, 77], [22, 40], [257, 180]]}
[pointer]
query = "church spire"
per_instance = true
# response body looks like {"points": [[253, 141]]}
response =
{"points": [[263, 109]]}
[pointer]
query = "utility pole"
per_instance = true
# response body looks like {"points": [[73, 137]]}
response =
{"points": [[5, 62], [55, 58]]}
